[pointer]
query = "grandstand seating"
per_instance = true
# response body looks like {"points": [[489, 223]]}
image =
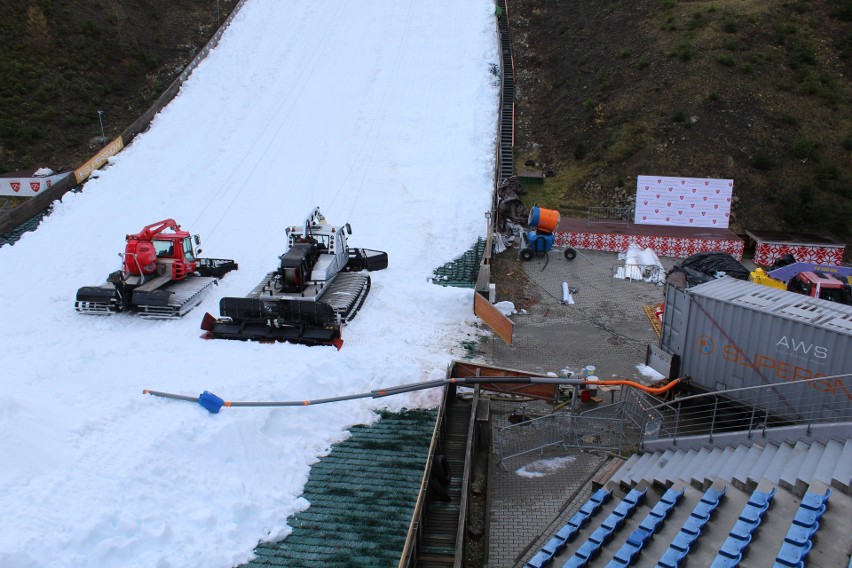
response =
{"points": [[798, 542], [691, 529], [566, 534]]}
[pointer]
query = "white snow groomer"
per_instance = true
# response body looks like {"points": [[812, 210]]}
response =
{"points": [[318, 287]]}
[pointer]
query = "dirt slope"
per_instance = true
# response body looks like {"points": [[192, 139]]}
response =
{"points": [[744, 89]]}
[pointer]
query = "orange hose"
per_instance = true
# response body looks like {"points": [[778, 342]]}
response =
{"points": [[649, 390]]}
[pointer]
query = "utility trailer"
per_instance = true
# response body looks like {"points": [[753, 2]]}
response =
{"points": [[730, 334]]}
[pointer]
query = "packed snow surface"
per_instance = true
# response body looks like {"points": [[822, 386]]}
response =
{"points": [[383, 114]]}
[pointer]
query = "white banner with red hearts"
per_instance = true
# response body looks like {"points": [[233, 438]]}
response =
{"points": [[28, 186], [683, 202]]}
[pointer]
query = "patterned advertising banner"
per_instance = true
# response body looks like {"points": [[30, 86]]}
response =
{"points": [[767, 253], [28, 186], [683, 202], [98, 159], [672, 247]]}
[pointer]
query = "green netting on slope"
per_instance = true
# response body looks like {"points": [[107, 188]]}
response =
{"points": [[461, 272], [29, 225], [362, 497]]}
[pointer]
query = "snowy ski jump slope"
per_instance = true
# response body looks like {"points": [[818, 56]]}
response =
{"points": [[383, 114]]}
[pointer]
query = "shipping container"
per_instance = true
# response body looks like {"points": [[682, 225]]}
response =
{"points": [[730, 334]]}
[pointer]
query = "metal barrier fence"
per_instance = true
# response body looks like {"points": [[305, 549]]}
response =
{"points": [[721, 413], [565, 430], [617, 215], [604, 428], [642, 410], [595, 433], [533, 435]]}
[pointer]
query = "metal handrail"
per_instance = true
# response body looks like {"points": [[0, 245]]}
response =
{"points": [[619, 215], [725, 412]]}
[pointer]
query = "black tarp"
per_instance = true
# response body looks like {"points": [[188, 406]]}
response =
{"points": [[705, 266]]}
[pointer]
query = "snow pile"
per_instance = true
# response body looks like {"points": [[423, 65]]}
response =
{"points": [[649, 372], [545, 467], [346, 110]]}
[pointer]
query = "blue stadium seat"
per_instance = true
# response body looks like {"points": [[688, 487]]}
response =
{"points": [[649, 525], [761, 499], [815, 501], [635, 496], [555, 545], [800, 535], [630, 549], [683, 541], [589, 508], [639, 537], [601, 496], [692, 527], [579, 519], [792, 556], [807, 517], [671, 497], [575, 562], [624, 557], [713, 496], [694, 524], [672, 557], [540, 560], [661, 510], [739, 538], [601, 536], [614, 521], [724, 561], [568, 532], [743, 530], [589, 549], [798, 542]]}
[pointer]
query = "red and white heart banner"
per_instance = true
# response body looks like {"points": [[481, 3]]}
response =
{"points": [[28, 186], [683, 202]]}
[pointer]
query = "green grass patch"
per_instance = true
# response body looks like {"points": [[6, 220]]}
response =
{"points": [[725, 60], [560, 191], [804, 148]]}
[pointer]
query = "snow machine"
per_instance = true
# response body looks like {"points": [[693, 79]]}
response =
{"points": [[161, 276], [318, 287]]}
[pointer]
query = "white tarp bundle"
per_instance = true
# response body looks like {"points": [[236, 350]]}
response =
{"points": [[640, 265]]}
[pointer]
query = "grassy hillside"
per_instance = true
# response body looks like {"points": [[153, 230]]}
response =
{"points": [[755, 91], [64, 60], [751, 90]]}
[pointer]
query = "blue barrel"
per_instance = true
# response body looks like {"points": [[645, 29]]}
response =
{"points": [[540, 242]]}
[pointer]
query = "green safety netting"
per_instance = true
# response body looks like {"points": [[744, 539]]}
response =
{"points": [[461, 272], [362, 497]]}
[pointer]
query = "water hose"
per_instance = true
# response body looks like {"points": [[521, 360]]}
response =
{"points": [[214, 403]]}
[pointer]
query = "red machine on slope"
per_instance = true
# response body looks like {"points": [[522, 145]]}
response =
{"points": [[161, 277]]}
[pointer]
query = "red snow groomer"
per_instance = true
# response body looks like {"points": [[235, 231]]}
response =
{"points": [[161, 275]]}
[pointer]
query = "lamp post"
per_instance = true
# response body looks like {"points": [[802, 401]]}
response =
{"points": [[101, 120], [218, 21]]}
